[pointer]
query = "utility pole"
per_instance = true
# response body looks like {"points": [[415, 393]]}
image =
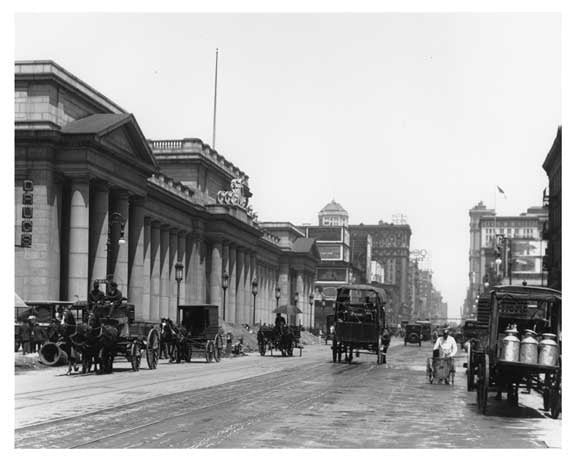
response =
{"points": [[215, 100]]}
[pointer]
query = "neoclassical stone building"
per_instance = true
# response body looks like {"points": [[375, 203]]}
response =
{"points": [[94, 198]]}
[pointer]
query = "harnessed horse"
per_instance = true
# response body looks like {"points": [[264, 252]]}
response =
{"points": [[171, 339]]}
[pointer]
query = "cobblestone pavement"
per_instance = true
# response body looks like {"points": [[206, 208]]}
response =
{"points": [[274, 402]]}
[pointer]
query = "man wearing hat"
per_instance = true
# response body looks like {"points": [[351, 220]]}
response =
{"points": [[446, 347], [114, 295]]}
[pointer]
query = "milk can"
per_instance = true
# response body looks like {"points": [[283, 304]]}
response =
{"points": [[529, 347], [510, 347], [548, 354]]}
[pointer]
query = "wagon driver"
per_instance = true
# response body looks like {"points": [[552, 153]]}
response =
{"points": [[280, 321]]}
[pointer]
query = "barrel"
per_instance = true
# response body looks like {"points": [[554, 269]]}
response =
{"points": [[52, 354]]}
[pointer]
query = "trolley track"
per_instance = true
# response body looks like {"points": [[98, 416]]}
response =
{"points": [[104, 426], [99, 387]]}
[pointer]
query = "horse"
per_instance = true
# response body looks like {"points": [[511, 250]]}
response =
{"points": [[66, 331], [172, 339], [101, 342], [284, 340]]}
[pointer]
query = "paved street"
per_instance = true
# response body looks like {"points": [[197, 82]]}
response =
{"points": [[272, 402]]}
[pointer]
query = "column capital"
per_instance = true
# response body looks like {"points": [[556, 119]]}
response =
{"points": [[121, 194], [100, 185], [155, 223], [138, 200]]}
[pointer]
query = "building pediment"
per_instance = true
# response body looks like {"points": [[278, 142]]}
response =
{"points": [[119, 133]]}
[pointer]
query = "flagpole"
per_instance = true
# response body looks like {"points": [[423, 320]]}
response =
{"points": [[215, 99]]}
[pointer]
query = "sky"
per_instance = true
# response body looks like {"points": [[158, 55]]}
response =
{"points": [[421, 114]]}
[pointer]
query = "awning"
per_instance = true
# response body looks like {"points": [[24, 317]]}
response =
{"points": [[18, 302], [286, 309]]}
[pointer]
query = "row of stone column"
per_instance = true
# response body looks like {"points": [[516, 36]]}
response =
{"points": [[94, 252], [144, 267], [243, 269]]}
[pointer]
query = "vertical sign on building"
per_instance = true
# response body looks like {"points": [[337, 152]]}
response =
{"points": [[27, 214]]}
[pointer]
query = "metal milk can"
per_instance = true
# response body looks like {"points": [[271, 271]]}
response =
{"points": [[510, 347], [548, 350], [529, 347]]}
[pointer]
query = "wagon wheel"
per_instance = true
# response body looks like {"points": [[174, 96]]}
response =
{"points": [[209, 351], [218, 347], [187, 351], [470, 370], [512, 395], [135, 355], [547, 392], [86, 362], [334, 351], [379, 357], [482, 385], [556, 397], [349, 354], [429, 372], [152, 348]]}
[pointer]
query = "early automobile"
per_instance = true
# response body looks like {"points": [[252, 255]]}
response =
{"points": [[413, 334]]}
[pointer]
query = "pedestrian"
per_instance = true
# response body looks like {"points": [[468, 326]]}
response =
{"points": [[447, 348], [25, 336]]}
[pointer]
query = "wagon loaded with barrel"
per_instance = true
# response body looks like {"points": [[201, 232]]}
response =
{"points": [[504, 363], [360, 326]]}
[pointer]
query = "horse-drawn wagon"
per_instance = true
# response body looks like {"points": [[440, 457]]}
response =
{"points": [[96, 335], [197, 332], [360, 325], [282, 338], [502, 363]]}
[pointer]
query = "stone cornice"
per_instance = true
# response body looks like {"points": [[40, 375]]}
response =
{"points": [[47, 69]]}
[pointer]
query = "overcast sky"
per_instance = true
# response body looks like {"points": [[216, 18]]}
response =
{"points": [[419, 114]]}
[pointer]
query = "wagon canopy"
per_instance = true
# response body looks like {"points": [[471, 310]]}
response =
{"points": [[287, 309]]}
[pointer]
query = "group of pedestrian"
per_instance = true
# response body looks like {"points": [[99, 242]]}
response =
{"points": [[31, 335]]}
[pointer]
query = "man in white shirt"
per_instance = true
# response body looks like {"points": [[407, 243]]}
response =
{"points": [[446, 344], [447, 348]]}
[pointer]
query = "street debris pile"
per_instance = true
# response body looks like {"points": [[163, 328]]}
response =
{"points": [[242, 334]]}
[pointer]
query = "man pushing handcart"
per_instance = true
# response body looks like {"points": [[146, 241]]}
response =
{"points": [[440, 366]]}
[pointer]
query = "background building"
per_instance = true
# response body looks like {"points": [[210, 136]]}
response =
{"points": [[95, 199], [504, 250], [553, 233]]}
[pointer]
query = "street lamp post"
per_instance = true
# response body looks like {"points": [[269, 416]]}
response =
{"points": [[116, 218], [225, 280], [254, 293], [311, 299], [178, 271]]}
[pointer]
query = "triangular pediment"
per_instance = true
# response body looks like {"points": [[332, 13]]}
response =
{"points": [[119, 133]]}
